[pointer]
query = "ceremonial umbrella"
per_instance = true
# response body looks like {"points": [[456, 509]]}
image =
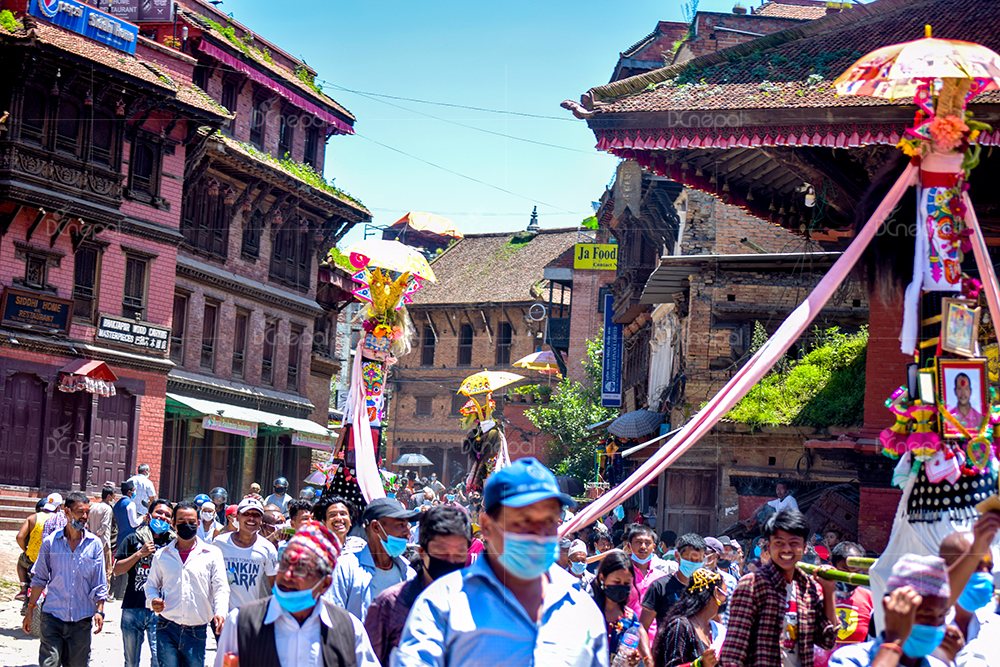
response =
{"points": [[415, 460], [636, 424], [544, 362], [897, 70], [391, 255], [429, 224], [487, 381]]}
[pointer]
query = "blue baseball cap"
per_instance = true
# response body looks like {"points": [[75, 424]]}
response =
{"points": [[523, 482]]}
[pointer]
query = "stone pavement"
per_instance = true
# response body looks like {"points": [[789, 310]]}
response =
{"points": [[20, 650]]}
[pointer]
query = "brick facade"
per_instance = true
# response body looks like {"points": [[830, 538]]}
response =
{"points": [[878, 510]]}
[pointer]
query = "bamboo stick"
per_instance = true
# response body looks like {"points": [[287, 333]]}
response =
{"points": [[836, 575], [860, 562]]}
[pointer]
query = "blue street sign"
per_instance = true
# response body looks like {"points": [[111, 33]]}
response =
{"points": [[611, 366], [87, 21]]}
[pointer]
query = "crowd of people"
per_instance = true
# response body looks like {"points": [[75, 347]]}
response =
{"points": [[430, 576]]}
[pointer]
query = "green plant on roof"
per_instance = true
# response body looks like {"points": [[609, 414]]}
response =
{"points": [[305, 76], [516, 243], [826, 387], [246, 44], [8, 21], [590, 223], [300, 170], [341, 260]]}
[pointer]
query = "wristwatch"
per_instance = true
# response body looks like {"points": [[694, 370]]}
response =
{"points": [[101, 613]]}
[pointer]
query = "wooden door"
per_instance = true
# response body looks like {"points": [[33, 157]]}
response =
{"points": [[113, 443], [65, 446], [690, 502], [22, 409]]}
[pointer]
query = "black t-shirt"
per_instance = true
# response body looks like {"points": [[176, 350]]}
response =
{"points": [[135, 590], [661, 595]]}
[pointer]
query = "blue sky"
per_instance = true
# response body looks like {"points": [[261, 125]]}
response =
{"points": [[525, 57]]}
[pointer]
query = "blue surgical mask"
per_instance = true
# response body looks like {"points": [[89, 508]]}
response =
{"points": [[688, 567], [923, 640], [756, 552], [78, 525], [642, 561], [528, 556], [978, 592], [450, 497], [294, 601], [578, 568], [394, 546], [159, 526]]}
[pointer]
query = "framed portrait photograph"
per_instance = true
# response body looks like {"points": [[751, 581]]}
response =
{"points": [[926, 381], [963, 390], [959, 326]]}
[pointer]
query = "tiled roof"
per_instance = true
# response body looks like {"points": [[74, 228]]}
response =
{"points": [[487, 268], [120, 61], [285, 75], [792, 11], [795, 68]]}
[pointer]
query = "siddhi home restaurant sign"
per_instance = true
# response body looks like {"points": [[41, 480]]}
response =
{"points": [[595, 256]]}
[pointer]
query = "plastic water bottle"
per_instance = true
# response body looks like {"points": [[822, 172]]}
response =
{"points": [[628, 648]]}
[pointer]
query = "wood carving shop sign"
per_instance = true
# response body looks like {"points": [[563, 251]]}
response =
{"points": [[129, 333]]}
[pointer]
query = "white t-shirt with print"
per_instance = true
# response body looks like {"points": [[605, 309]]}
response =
{"points": [[247, 569], [790, 629]]}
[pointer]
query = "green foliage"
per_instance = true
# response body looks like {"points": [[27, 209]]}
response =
{"points": [[246, 44], [517, 241], [590, 223], [524, 389], [573, 407], [8, 21], [307, 77], [341, 260], [300, 170], [825, 388]]}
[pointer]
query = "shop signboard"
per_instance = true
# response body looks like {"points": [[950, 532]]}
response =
{"points": [[36, 311], [229, 425], [134, 334], [87, 21], [595, 256], [611, 366]]}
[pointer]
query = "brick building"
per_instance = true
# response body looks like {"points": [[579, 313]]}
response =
{"points": [[254, 333], [92, 159], [499, 297]]}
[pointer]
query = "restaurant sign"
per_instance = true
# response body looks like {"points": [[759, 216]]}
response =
{"points": [[31, 310], [312, 440], [87, 21], [130, 333], [139, 11], [230, 425], [595, 256]]}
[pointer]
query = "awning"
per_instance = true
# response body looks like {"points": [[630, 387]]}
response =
{"points": [[91, 368], [88, 375], [249, 415], [338, 126]]}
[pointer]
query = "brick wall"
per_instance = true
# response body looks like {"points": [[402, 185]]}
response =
{"points": [[749, 503], [708, 39], [712, 227], [878, 509], [585, 321], [886, 366]]}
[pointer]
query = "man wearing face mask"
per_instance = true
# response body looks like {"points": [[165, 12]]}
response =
{"points": [[360, 576], [578, 566], [713, 556], [295, 626], [133, 558], [445, 537], [975, 607], [70, 568], [665, 592], [513, 606]]}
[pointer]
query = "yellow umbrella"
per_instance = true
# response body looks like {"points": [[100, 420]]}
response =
{"points": [[429, 223], [391, 255], [544, 362], [487, 381], [896, 71]]}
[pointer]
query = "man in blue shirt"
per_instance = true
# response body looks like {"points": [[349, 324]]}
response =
{"points": [[514, 606], [70, 568], [359, 577]]}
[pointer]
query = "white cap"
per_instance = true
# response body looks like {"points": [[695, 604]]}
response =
{"points": [[250, 504], [52, 501], [208, 507]]}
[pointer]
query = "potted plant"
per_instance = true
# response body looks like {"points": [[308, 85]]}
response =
{"points": [[544, 393], [738, 8]]}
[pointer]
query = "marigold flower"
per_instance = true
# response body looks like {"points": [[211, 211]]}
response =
{"points": [[948, 132]]}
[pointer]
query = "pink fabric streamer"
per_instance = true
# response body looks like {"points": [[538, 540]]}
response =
{"points": [[986, 275], [365, 468], [753, 371]]}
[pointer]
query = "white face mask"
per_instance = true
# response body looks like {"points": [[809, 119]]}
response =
{"points": [[208, 516]]}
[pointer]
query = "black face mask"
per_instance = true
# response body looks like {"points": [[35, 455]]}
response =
{"points": [[186, 531], [723, 607], [724, 564], [438, 567], [617, 593]]}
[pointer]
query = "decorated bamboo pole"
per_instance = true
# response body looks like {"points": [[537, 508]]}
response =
{"points": [[851, 578], [860, 562]]}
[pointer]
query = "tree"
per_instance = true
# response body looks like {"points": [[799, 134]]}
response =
{"points": [[573, 407]]}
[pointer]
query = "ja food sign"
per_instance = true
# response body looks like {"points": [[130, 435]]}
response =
{"points": [[611, 364], [595, 256], [87, 21]]}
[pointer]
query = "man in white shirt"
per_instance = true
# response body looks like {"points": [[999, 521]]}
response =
{"points": [[145, 492], [251, 560], [784, 500], [296, 627], [187, 587]]}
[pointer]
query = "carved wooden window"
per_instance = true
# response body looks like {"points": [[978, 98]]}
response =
{"points": [[258, 120], [33, 113], [294, 358], [205, 220], [177, 328], [85, 272], [209, 336], [229, 91], [145, 163], [240, 343], [312, 147], [425, 405], [504, 342], [267, 358], [291, 255], [36, 271], [102, 139], [465, 345], [427, 345], [251, 234], [134, 299], [68, 127], [286, 124]]}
